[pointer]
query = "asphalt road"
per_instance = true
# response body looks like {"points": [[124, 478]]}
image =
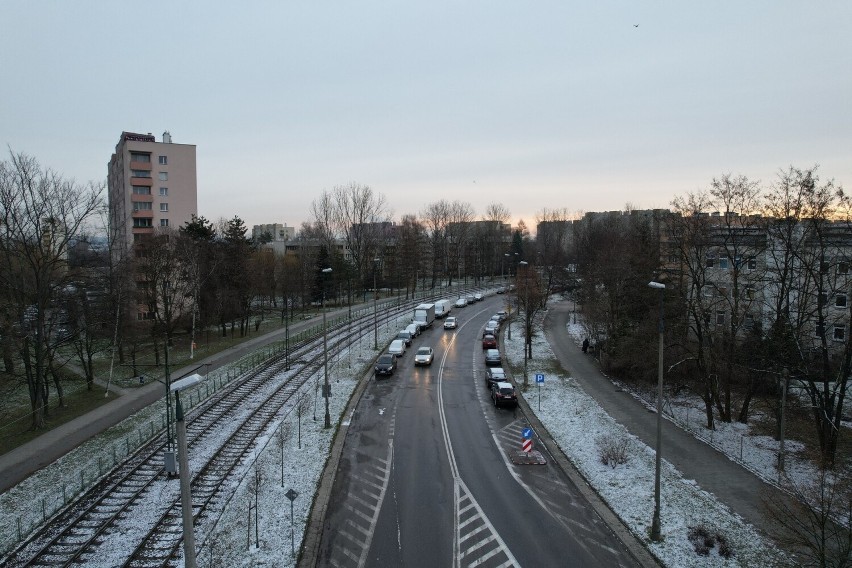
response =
{"points": [[424, 478]]}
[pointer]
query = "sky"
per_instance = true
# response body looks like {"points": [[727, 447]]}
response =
{"points": [[546, 104]]}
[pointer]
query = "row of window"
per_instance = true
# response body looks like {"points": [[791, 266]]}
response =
{"points": [[724, 262], [145, 190], [148, 206], [145, 158], [148, 223], [838, 331], [163, 176]]}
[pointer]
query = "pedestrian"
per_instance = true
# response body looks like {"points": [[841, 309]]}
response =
{"points": [[586, 345]]}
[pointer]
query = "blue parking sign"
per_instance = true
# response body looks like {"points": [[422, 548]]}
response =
{"points": [[539, 378], [527, 433]]}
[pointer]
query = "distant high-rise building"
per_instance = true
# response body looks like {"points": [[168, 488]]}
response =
{"points": [[151, 184]]}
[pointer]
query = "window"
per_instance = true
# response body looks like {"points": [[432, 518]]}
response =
{"points": [[843, 268], [142, 223], [840, 300], [144, 316], [164, 176], [723, 292], [140, 173], [142, 206], [141, 190], [164, 222], [752, 264], [823, 299], [711, 260], [707, 291], [839, 332], [164, 160], [164, 191], [140, 157], [749, 320], [749, 292], [819, 331], [720, 317], [823, 268], [164, 207], [723, 262]]}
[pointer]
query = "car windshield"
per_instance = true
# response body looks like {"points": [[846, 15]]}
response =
{"points": [[423, 351], [385, 359]]}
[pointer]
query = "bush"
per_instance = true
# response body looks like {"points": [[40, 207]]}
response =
{"points": [[703, 541], [612, 450]]}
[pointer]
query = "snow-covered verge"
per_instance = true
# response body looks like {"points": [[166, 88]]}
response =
{"points": [[758, 453], [578, 424]]}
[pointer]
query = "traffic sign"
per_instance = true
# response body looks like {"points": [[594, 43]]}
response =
{"points": [[527, 446], [528, 433], [539, 378]]}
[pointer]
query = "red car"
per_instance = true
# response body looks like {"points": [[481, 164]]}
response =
{"points": [[489, 342]]}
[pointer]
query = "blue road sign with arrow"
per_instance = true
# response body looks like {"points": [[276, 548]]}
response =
{"points": [[528, 433]]}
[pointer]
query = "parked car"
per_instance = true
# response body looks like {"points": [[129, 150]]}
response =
{"points": [[490, 329], [501, 290], [424, 356], [386, 364], [494, 375], [492, 357], [413, 329], [502, 315], [503, 394], [405, 336], [450, 323], [477, 297], [460, 303], [489, 342], [470, 300], [496, 319], [397, 347]]}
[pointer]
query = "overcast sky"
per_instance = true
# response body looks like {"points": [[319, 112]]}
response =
{"points": [[530, 103]]}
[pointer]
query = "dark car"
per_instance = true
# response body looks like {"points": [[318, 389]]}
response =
{"points": [[494, 375], [503, 394], [405, 336], [489, 342], [386, 364], [492, 357]]}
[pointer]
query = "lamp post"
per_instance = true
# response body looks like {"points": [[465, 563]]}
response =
{"points": [[286, 333], [503, 267], [185, 495], [326, 388], [375, 306], [526, 327], [655, 523]]}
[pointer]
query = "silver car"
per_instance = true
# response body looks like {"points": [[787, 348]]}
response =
{"points": [[424, 356]]}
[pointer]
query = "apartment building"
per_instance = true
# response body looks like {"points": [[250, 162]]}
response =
{"points": [[150, 185]]}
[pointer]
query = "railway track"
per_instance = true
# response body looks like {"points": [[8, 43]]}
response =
{"points": [[222, 431]]}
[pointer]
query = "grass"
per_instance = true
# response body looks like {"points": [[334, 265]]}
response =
{"points": [[78, 401]]}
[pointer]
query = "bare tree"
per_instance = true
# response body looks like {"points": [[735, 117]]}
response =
{"points": [[41, 213], [815, 519], [436, 217], [532, 298], [459, 232]]}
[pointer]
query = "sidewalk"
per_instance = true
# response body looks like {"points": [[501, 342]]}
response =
{"points": [[732, 484]]}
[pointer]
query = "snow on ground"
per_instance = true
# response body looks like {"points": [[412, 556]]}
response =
{"points": [[577, 423], [757, 453], [580, 426]]}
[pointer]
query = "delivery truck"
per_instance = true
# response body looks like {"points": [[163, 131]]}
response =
{"points": [[424, 315]]}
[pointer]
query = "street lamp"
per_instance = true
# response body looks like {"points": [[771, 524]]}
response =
{"points": [[526, 327], [185, 495], [655, 523], [326, 388], [375, 306], [503, 266]]}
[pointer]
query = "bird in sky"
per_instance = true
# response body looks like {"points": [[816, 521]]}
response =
{"points": [[635, 25]]}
